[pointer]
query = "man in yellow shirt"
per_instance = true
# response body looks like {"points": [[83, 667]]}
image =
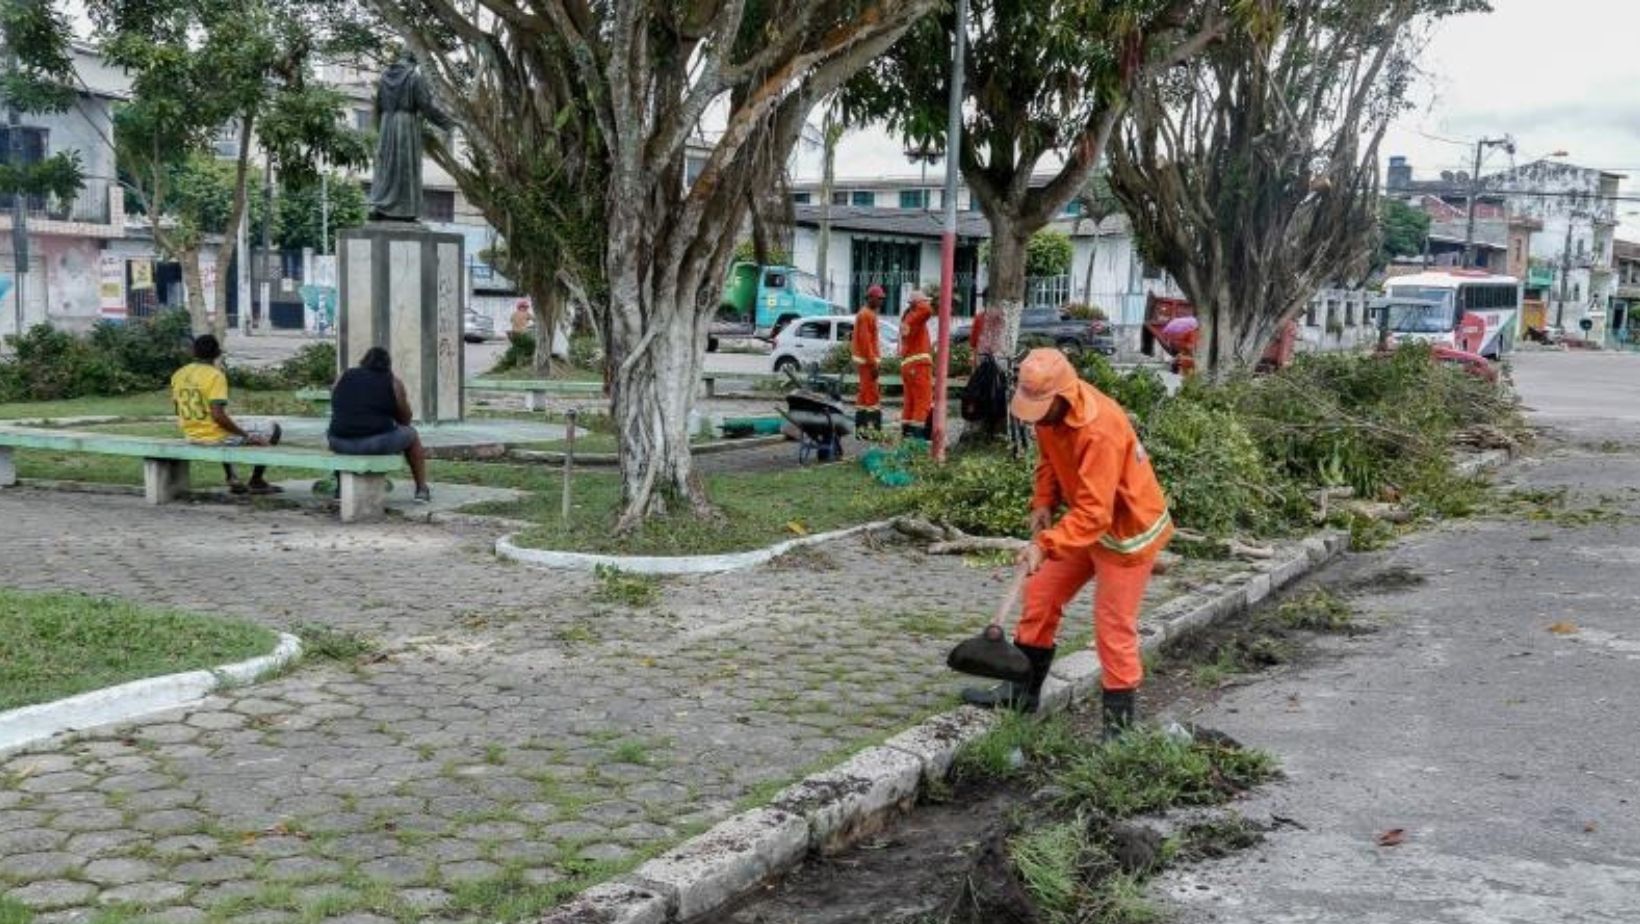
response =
{"points": [[200, 392]]}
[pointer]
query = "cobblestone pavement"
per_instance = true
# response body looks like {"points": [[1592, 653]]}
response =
{"points": [[517, 732]]}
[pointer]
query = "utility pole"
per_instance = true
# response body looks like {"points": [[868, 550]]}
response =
{"points": [[1508, 144], [948, 239], [1565, 275], [266, 290], [19, 202]]}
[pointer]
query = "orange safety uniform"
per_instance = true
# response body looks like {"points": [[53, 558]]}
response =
{"points": [[1115, 523], [866, 357], [916, 365]]}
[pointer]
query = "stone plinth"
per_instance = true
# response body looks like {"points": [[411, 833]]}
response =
{"points": [[401, 287]]}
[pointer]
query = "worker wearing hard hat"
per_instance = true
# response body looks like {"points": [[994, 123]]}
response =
{"points": [[916, 368], [1097, 510], [868, 406]]}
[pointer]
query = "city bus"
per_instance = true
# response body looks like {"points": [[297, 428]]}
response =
{"points": [[1469, 310]]}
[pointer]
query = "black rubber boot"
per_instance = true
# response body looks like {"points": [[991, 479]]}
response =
{"points": [[1023, 697], [1119, 716], [862, 423], [1041, 660]]}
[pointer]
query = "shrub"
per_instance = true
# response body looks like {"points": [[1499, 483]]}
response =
{"points": [[313, 365], [1080, 312], [1140, 390], [114, 359], [985, 493], [1048, 253], [1216, 480]]}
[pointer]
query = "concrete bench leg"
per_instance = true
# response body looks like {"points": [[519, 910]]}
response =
{"points": [[711, 387], [535, 400], [8, 468], [164, 480], [363, 497]]}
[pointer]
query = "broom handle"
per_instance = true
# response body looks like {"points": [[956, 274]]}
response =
{"points": [[1011, 598]]}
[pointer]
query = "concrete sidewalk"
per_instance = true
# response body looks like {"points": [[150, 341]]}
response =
{"points": [[1504, 750]]}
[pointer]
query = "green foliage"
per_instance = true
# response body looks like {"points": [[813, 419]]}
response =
{"points": [[1049, 253], [1402, 230], [520, 354], [39, 79], [1217, 481], [1139, 390], [985, 493], [114, 359], [1080, 312], [313, 365], [1147, 770], [1017, 744], [300, 213], [746, 252]]}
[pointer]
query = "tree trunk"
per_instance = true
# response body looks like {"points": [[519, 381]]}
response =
{"points": [[1009, 239], [1087, 280], [194, 281], [831, 132], [547, 304], [656, 347], [230, 234]]}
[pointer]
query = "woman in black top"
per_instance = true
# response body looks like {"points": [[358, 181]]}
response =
{"points": [[370, 416]]}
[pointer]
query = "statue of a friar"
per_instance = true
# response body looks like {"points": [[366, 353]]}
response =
{"points": [[402, 101]]}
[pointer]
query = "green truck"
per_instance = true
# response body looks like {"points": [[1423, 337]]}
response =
{"points": [[759, 300]]}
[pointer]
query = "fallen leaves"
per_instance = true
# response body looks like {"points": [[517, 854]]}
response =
{"points": [[1394, 837], [1563, 627]]}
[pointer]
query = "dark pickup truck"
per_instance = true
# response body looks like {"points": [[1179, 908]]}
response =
{"points": [[1048, 327]]}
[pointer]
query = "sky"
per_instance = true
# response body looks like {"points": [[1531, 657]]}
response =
{"points": [[1555, 74]]}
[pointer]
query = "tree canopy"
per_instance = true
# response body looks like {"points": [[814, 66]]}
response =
{"points": [[1042, 78], [40, 79], [1402, 230], [1251, 172]]}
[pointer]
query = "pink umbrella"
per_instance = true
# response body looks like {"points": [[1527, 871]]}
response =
{"points": [[1179, 326]]}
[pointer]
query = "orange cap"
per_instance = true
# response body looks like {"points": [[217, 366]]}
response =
{"points": [[1043, 376]]}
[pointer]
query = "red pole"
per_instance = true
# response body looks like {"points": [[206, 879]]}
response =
{"points": [[948, 240]]}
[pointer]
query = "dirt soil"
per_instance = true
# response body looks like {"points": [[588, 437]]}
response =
{"points": [[945, 863]]}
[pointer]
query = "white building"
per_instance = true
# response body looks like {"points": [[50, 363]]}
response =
{"points": [[1578, 209]]}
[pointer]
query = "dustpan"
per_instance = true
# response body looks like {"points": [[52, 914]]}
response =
{"points": [[990, 654]]}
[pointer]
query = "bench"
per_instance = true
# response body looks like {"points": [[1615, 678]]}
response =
{"points": [[165, 464], [535, 391]]}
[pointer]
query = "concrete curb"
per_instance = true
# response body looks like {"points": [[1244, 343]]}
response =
{"points": [[671, 564], [126, 701], [828, 811]]}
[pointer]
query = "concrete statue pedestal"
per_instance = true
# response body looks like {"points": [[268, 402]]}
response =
{"points": [[401, 287]]}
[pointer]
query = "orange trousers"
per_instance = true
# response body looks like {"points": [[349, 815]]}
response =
{"points": [[871, 395], [1116, 598], [918, 379]]}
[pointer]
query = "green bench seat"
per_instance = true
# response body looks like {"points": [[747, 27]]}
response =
{"points": [[166, 462]]}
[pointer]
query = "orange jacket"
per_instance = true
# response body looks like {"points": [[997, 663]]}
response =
{"points": [[865, 346], [1093, 464], [915, 347]]}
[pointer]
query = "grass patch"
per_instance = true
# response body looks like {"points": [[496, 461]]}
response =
{"points": [[14, 912], [152, 404], [1147, 770], [329, 644], [1016, 745], [756, 509], [1317, 611], [625, 588], [54, 645]]}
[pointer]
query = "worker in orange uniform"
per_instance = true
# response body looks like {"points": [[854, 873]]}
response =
{"points": [[868, 407], [916, 368], [1114, 524]]}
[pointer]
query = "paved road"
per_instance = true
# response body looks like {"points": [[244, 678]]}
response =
{"points": [[1505, 751]]}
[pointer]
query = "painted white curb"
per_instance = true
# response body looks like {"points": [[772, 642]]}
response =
{"points": [[671, 564], [825, 812], [112, 705]]}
